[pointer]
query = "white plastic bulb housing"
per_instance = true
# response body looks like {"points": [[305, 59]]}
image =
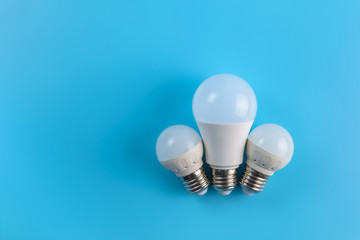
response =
{"points": [[179, 148], [269, 148], [224, 107]]}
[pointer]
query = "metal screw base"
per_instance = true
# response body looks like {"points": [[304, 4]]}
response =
{"points": [[224, 181], [253, 181], [196, 182]]}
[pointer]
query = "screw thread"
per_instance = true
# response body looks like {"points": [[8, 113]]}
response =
{"points": [[224, 180], [196, 182], [253, 181]]}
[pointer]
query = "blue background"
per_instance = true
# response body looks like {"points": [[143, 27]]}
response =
{"points": [[86, 87]]}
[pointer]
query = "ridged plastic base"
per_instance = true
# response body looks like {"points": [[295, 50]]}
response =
{"points": [[224, 181], [253, 181], [196, 182]]}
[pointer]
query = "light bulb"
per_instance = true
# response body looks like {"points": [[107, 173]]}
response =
{"points": [[179, 148], [269, 148], [224, 108]]}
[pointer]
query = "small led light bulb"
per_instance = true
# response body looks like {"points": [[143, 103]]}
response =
{"points": [[269, 148], [179, 148]]}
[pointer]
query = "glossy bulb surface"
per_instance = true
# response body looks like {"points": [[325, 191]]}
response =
{"points": [[176, 140], [273, 139], [224, 99]]}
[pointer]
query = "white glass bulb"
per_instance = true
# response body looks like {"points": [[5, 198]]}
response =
{"points": [[179, 148], [269, 148], [224, 108], [176, 140], [274, 139], [224, 99]]}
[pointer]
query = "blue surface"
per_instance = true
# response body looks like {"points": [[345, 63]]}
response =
{"points": [[87, 86]]}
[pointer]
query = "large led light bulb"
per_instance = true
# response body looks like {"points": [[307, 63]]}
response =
{"points": [[179, 148], [269, 148], [224, 108]]}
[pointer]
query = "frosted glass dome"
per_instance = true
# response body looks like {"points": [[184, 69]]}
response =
{"points": [[176, 140], [224, 99], [274, 139]]}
